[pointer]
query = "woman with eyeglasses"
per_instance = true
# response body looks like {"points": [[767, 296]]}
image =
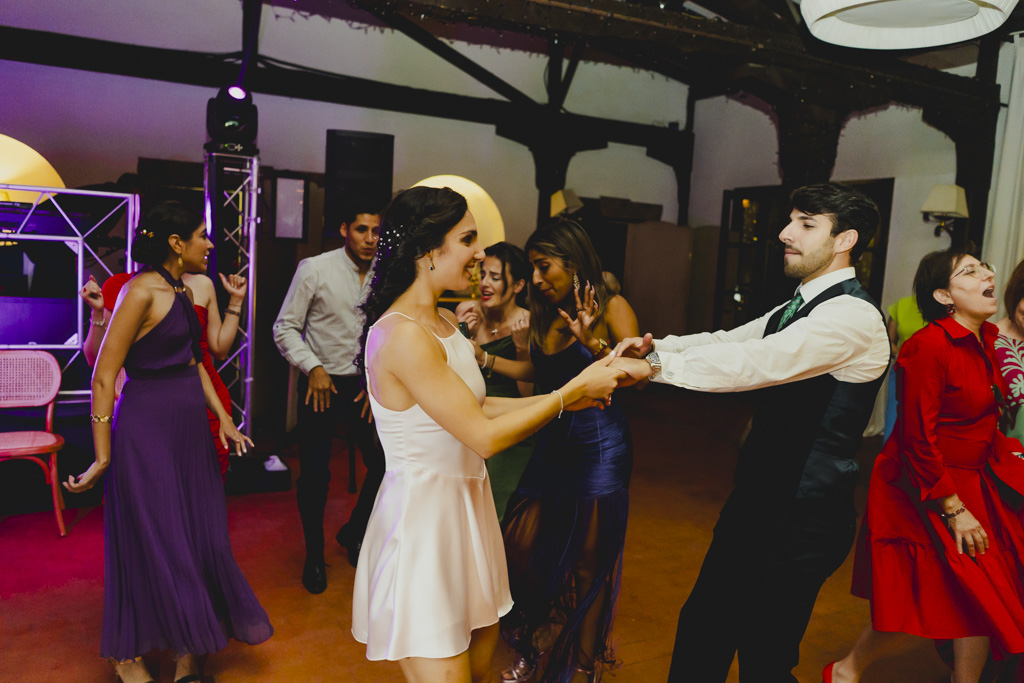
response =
{"points": [[941, 553]]}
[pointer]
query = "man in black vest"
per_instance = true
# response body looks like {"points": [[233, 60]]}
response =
{"points": [[817, 363]]}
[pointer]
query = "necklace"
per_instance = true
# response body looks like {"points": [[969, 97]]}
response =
{"points": [[494, 331]]}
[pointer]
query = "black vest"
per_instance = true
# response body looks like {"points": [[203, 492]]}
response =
{"points": [[804, 439]]}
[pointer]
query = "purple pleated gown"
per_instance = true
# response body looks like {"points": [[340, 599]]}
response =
{"points": [[171, 581]]}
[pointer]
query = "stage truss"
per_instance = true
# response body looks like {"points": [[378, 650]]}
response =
{"points": [[76, 239], [232, 217]]}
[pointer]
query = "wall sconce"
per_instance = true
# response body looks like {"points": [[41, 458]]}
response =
{"points": [[565, 202], [944, 203]]}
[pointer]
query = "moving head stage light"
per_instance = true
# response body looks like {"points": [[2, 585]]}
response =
{"points": [[232, 122]]}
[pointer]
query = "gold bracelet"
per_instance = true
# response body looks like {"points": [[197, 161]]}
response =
{"points": [[101, 418]]}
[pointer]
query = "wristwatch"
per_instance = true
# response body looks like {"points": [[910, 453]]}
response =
{"points": [[655, 362]]}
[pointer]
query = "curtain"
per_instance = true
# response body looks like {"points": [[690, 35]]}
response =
{"points": [[1004, 237]]}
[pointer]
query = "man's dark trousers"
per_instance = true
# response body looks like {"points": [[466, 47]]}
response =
{"points": [[316, 432], [756, 591]]}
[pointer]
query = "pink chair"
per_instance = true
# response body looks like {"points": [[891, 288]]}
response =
{"points": [[32, 379]]}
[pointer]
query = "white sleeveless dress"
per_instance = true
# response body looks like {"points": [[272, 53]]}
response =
{"points": [[432, 564]]}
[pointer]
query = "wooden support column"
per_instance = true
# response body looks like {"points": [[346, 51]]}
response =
{"points": [[973, 132], [677, 151], [808, 141]]}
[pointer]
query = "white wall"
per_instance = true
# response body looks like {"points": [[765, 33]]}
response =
{"points": [[93, 127], [736, 145]]}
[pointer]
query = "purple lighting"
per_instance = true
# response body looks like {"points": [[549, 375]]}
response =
{"points": [[237, 92]]}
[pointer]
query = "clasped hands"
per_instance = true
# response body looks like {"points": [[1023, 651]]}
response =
{"points": [[629, 354]]}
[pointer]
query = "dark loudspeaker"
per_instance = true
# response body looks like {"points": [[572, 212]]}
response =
{"points": [[359, 174]]}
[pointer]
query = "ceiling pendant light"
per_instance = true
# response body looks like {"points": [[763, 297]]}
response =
{"points": [[902, 24]]}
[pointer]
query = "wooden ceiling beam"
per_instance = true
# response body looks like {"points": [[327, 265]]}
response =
{"points": [[217, 70], [750, 13], [620, 28]]}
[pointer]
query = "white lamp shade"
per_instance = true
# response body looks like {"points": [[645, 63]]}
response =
{"points": [[902, 24], [490, 228], [949, 201]]}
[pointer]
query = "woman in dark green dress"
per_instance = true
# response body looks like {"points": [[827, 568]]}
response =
{"points": [[500, 326]]}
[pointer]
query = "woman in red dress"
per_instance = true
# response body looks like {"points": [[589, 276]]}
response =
{"points": [[216, 339], [940, 553]]}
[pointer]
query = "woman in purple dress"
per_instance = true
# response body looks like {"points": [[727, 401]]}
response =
{"points": [[171, 581]]}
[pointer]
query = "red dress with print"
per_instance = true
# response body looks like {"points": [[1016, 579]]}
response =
{"points": [[111, 288], [946, 441]]}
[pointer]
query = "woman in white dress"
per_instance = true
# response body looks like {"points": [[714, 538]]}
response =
{"points": [[432, 581]]}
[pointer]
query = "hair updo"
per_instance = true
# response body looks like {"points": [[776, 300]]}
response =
{"points": [[150, 246], [415, 222]]}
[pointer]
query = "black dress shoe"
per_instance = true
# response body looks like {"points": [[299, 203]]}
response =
{"points": [[314, 577], [346, 539]]}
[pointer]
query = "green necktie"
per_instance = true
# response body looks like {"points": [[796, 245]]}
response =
{"points": [[791, 308]]}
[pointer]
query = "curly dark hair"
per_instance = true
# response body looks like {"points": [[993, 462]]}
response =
{"points": [[415, 222], [168, 218]]}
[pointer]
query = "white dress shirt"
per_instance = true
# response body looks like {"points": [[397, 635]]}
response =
{"points": [[319, 322], [844, 336]]}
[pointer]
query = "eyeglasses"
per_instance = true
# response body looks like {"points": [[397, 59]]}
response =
{"points": [[974, 270]]}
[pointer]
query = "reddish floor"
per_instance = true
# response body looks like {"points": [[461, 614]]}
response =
{"points": [[685, 444]]}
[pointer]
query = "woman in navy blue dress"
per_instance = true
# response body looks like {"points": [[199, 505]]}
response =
{"points": [[566, 522]]}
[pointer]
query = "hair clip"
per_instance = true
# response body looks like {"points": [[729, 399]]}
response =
{"points": [[142, 233]]}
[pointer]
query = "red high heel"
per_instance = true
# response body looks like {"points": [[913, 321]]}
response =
{"points": [[826, 674]]}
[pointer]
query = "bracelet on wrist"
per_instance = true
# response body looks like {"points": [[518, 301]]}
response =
{"points": [[484, 364], [97, 323], [101, 418], [231, 311], [561, 402], [950, 515]]}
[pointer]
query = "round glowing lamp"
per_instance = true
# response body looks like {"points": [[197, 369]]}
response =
{"points": [[490, 227], [22, 165]]}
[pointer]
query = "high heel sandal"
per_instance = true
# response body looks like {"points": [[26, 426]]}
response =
{"points": [[135, 660], [519, 671], [593, 674], [188, 678]]}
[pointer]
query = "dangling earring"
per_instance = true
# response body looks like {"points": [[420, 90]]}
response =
{"points": [[180, 262], [950, 309], [575, 281], [431, 257]]}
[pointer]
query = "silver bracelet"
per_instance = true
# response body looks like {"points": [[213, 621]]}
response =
{"points": [[97, 323], [561, 402]]}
